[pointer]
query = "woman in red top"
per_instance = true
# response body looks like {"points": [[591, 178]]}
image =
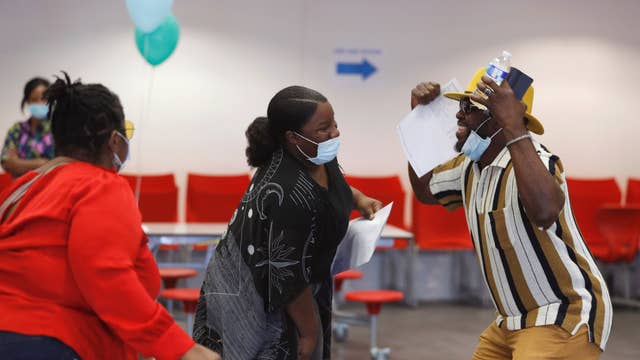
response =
{"points": [[77, 279]]}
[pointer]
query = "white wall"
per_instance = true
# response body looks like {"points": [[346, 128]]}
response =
{"points": [[234, 55]]}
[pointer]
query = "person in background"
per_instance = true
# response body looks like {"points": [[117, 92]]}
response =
{"points": [[77, 279], [267, 292], [29, 144], [551, 300]]}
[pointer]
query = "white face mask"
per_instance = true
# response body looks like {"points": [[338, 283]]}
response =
{"points": [[117, 162], [475, 145], [327, 150]]}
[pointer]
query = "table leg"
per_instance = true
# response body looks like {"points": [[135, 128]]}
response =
{"points": [[411, 253]]}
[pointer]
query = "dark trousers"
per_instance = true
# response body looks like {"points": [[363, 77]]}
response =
{"points": [[14, 346]]}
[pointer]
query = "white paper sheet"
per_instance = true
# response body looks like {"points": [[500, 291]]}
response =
{"points": [[428, 133], [359, 242]]}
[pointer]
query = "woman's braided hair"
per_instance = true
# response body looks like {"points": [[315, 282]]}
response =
{"points": [[82, 116]]}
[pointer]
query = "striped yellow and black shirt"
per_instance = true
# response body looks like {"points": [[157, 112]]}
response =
{"points": [[536, 277]]}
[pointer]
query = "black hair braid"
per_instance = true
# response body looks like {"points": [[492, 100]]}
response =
{"points": [[82, 115], [261, 143]]}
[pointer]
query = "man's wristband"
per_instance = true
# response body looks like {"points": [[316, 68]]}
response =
{"points": [[525, 136]]}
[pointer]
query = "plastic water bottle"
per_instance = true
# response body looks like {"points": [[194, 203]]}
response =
{"points": [[499, 67], [497, 70]]}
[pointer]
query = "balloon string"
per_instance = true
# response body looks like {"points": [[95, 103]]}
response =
{"points": [[146, 105]]}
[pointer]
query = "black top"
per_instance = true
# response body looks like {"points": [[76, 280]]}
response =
{"points": [[299, 222], [285, 231]]}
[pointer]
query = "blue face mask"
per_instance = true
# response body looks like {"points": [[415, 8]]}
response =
{"points": [[475, 145], [39, 111], [327, 150], [117, 162]]}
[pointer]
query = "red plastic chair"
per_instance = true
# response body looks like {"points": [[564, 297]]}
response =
{"points": [[587, 197], [213, 198], [158, 200], [435, 228], [189, 298], [158, 197], [633, 192], [621, 227], [386, 189], [374, 299]]}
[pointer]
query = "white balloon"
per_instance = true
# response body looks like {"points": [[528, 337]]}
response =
{"points": [[149, 14]]}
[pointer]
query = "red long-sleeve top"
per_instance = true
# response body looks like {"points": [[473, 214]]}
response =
{"points": [[74, 265]]}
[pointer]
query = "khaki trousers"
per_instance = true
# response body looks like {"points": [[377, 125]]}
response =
{"points": [[539, 342]]}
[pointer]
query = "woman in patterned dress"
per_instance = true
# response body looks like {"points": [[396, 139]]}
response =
{"points": [[267, 292], [29, 143]]}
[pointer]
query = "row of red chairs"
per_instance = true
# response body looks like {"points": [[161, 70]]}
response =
{"points": [[607, 223], [209, 198], [610, 226], [213, 198], [596, 205]]}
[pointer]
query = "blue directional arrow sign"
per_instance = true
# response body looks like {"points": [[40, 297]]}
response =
{"points": [[364, 69]]}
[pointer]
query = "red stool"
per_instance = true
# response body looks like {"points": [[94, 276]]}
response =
{"points": [[339, 278], [189, 298], [200, 247], [374, 300], [169, 249], [170, 277], [340, 324]]}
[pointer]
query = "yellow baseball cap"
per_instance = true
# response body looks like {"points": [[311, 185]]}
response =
{"points": [[533, 124]]}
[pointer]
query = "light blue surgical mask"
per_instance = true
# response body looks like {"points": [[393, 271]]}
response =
{"points": [[117, 162], [39, 111], [475, 145], [327, 150]]}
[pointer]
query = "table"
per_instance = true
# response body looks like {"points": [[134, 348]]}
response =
{"points": [[184, 233], [194, 233], [411, 252]]}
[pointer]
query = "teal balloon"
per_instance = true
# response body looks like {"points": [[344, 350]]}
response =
{"points": [[156, 46]]}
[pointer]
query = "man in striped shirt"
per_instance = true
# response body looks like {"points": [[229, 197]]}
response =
{"points": [[551, 300]]}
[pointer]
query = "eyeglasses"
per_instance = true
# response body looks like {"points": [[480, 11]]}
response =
{"points": [[129, 129], [467, 107]]}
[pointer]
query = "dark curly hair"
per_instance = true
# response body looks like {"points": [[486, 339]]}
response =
{"points": [[289, 109], [82, 116]]}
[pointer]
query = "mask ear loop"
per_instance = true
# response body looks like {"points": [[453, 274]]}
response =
{"points": [[494, 134], [303, 153], [302, 136], [299, 149], [482, 123]]}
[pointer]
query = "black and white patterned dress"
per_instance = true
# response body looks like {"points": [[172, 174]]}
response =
{"points": [[282, 238]]}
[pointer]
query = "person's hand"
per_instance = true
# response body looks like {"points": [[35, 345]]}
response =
{"points": [[306, 346], [503, 105], [368, 206], [199, 352], [424, 93]]}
